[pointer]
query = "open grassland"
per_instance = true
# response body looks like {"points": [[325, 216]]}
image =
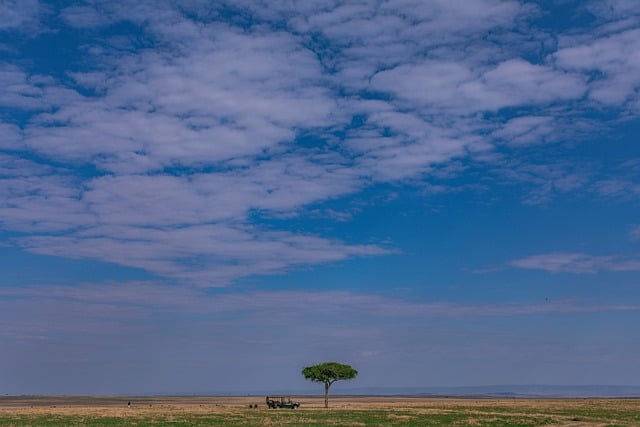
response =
{"points": [[344, 411]]}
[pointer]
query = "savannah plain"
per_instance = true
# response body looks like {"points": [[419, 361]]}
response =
{"points": [[343, 411]]}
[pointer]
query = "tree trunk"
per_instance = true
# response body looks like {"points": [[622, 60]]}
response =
{"points": [[326, 395]]}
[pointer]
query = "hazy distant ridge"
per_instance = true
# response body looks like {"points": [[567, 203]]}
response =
{"points": [[506, 390], [535, 390]]}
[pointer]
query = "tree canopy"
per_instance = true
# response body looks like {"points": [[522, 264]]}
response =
{"points": [[328, 373]]}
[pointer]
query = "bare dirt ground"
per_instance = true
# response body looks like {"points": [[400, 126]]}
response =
{"points": [[337, 402]]}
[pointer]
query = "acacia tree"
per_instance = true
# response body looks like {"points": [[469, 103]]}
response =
{"points": [[328, 373]]}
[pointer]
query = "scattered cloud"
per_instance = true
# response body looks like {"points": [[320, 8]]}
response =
{"points": [[562, 262], [527, 130], [142, 299], [184, 129], [19, 14], [455, 87], [187, 253], [620, 188], [204, 142], [85, 16], [611, 63]]}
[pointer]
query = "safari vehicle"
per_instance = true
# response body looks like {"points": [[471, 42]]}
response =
{"points": [[274, 402]]}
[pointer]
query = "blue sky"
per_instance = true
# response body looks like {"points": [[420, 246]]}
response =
{"points": [[207, 196]]}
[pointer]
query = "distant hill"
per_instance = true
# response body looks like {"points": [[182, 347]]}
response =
{"points": [[504, 391]]}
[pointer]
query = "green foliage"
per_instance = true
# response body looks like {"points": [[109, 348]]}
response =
{"points": [[329, 372]]}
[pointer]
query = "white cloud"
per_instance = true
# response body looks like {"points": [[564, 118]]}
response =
{"points": [[166, 152], [223, 96], [85, 16], [404, 20], [612, 62], [38, 198], [617, 188], [519, 82], [543, 182], [527, 130], [438, 86], [195, 131], [206, 255], [148, 297], [615, 10], [19, 14], [562, 262], [18, 92], [234, 95], [12, 167], [10, 136]]}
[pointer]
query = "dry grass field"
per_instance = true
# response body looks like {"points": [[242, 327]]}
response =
{"points": [[344, 411]]}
